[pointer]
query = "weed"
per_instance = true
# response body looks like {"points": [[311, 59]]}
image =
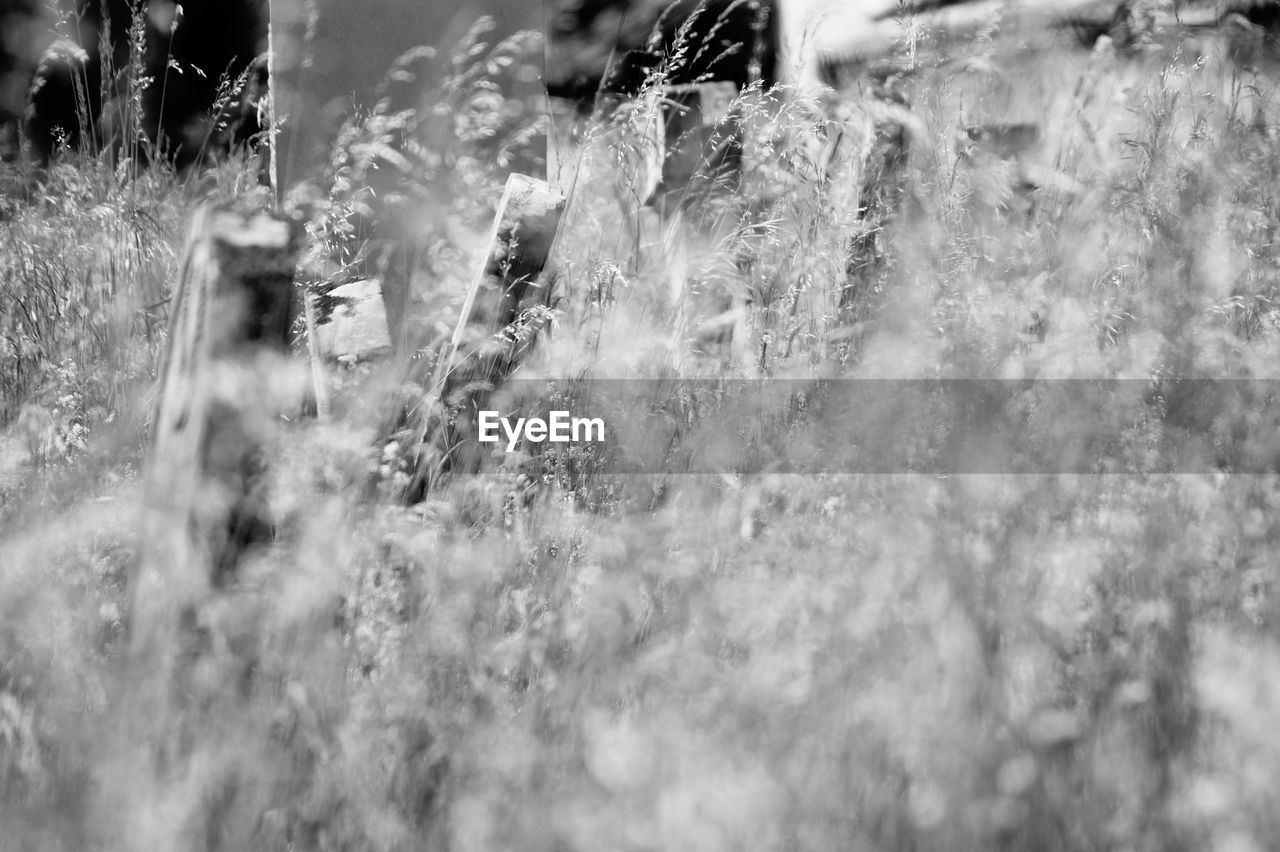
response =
{"points": [[569, 654]]}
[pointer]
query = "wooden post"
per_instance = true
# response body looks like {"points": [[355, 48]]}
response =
{"points": [[222, 386], [509, 283], [503, 313], [194, 633]]}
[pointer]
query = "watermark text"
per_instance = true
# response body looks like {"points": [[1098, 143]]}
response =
{"points": [[558, 428]]}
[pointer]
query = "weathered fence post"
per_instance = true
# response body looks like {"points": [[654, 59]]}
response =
{"points": [[223, 385], [505, 309], [509, 283], [195, 634]]}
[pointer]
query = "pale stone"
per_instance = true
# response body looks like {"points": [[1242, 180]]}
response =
{"points": [[357, 327]]}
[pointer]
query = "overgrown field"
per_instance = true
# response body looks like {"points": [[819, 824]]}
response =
{"points": [[539, 661]]}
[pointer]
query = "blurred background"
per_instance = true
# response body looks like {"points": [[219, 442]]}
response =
{"points": [[331, 54]]}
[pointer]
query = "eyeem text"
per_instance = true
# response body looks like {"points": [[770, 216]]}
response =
{"points": [[559, 428]]}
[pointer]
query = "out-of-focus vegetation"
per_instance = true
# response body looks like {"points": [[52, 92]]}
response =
{"points": [[841, 662]]}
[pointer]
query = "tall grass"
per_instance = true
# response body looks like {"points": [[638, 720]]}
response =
{"points": [[528, 661], [89, 253]]}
